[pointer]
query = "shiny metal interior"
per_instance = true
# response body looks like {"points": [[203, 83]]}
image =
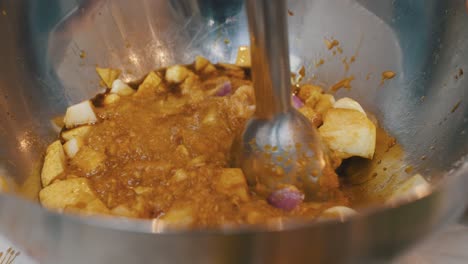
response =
{"points": [[49, 50]]}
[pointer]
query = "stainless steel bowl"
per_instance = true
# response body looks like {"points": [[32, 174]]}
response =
{"points": [[48, 52]]}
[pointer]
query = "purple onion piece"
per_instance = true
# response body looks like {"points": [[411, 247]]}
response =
{"points": [[287, 198], [297, 102], [224, 89]]}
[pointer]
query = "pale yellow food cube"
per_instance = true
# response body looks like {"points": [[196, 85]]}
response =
{"points": [[348, 133], [338, 212], [176, 74], [310, 92], [80, 114], [80, 132], [111, 99], [243, 101], [190, 84], [200, 63], [210, 68], [72, 194], [54, 163], [121, 88], [179, 216], [108, 75], [348, 103], [245, 93], [243, 56], [152, 84], [88, 159], [211, 117], [415, 184], [72, 146], [325, 102], [232, 182]]}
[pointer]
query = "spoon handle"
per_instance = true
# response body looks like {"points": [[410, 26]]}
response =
{"points": [[270, 56]]}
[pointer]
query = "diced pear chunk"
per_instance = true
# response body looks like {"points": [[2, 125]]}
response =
{"points": [[232, 183], [211, 117], [151, 85], [108, 75], [414, 184], [74, 194], [121, 88], [210, 68], [179, 216], [340, 212], [243, 101], [243, 56], [200, 63], [80, 114], [176, 74], [111, 99], [81, 132], [348, 133], [348, 103], [245, 92], [72, 146], [190, 84], [88, 159], [54, 163], [325, 102]]}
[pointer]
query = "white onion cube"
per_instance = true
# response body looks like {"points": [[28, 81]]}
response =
{"points": [[80, 114]]}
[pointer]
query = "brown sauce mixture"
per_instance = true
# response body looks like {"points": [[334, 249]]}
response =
{"points": [[168, 150], [163, 152]]}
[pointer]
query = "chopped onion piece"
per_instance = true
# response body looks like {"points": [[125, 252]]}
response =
{"points": [[348, 103], [339, 212], [72, 146], [224, 89], [286, 198], [176, 74], [121, 88], [80, 114], [297, 102]]}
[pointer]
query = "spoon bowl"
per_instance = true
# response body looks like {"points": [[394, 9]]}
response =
{"points": [[279, 147], [284, 150]]}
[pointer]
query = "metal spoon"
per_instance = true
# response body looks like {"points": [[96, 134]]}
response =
{"points": [[278, 146]]}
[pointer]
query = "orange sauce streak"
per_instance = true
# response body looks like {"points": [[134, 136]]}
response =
{"points": [[331, 43], [320, 63], [345, 83], [387, 75]]}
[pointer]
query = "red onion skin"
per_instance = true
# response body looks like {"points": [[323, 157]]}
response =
{"points": [[297, 102], [287, 198], [224, 89]]}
